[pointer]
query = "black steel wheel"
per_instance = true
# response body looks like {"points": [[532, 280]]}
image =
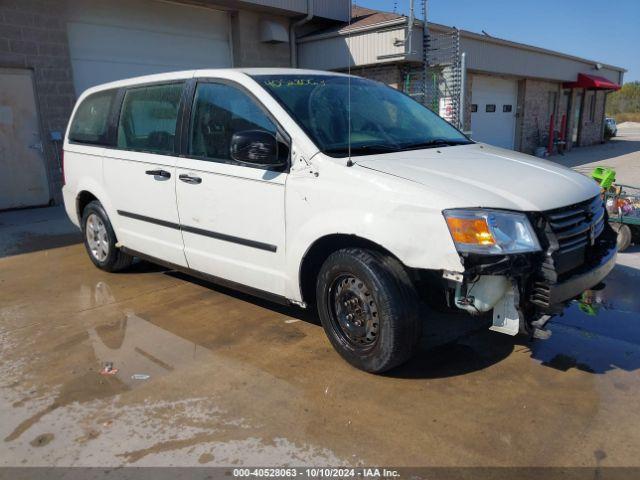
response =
{"points": [[368, 308], [354, 313]]}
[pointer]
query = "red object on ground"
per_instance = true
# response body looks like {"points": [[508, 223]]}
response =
{"points": [[592, 82], [551, 129]]}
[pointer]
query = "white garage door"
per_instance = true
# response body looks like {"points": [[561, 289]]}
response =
{"points": [[493, 110], [115, 39]]}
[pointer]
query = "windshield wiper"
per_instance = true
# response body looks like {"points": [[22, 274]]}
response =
{"points": [[363, 149], [436, 142]]}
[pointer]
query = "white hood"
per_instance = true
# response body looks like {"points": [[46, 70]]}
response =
{"points": [[480, 175]]}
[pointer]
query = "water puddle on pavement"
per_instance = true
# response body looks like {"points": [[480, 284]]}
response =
{"points": [[598, 332], [138, 352]]}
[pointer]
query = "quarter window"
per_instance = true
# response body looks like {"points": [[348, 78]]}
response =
{"points": [[219, 111], [149, 117], [91, 121]]}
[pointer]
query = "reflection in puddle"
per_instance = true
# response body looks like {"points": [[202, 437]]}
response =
{"points": [[598, 332], [138, 348], [134, 346]]}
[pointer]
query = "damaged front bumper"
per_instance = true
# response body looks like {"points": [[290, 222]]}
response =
{"points": [[573, 286], [521, 289]]}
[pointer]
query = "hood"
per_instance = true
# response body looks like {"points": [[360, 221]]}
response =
{"points": [[479, 175]]}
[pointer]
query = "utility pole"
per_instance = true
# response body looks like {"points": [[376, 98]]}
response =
{"points": [[425, 52]]}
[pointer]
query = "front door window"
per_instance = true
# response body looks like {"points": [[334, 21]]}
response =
{"points": [[219, 111]]}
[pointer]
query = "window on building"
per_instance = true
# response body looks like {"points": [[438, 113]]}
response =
{"points": [[592, 107], [474, 107], [490, 108], [507, 108], [149, 118], [91, 121], [219, 111]]}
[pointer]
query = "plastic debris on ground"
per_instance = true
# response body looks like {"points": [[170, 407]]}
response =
{"points": [[108, 369]]}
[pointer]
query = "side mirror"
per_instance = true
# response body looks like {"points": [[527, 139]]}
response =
{"points": [[255, 147]]}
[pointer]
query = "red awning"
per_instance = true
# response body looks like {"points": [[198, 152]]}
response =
{"points": [[592, 82]]}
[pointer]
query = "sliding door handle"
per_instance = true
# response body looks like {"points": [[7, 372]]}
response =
{"points": [[189, 179], [158, 173]]}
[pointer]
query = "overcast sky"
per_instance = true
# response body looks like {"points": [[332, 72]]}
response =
{"points": [[605, 31]]}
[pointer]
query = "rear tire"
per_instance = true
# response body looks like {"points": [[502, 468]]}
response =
{"points": [[369, 309], [624, 235], [100, 240]]}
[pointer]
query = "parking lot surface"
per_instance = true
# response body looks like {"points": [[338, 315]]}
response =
{"points": [[205, 376]]}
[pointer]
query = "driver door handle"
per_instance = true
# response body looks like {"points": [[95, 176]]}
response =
{"points": [[189, 179], [158, 173]]}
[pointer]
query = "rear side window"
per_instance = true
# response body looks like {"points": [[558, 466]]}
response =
{"points": [[91, 121], [149, 117]]}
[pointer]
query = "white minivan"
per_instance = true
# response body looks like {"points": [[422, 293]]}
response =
{"points": [[317, 188]]}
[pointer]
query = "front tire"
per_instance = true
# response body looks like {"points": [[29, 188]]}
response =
{"points": [[100, 240], [368, 308]]}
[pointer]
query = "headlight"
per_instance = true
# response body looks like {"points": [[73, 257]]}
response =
{"points": [[491, 231]]}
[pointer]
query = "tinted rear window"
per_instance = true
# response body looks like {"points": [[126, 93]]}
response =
{"points": [[149, 118], [91, 121]]}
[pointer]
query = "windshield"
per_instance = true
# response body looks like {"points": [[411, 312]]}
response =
{"points": [[382, 118]]}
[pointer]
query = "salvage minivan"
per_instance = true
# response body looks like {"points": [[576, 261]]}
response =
{"points": [[321, 189]]}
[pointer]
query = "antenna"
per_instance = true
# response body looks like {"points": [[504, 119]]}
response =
{"points": [[349, 161]]}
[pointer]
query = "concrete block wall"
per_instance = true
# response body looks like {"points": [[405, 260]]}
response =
{"points": [[33, 36]]}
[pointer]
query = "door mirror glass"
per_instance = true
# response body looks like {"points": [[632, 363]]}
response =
{"points": [[255, 147]]}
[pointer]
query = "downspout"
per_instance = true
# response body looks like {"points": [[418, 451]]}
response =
{"points": [[292, 34], [463, 88]]}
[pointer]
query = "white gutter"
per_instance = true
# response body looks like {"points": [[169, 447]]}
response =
{"points": [[292, 34]]}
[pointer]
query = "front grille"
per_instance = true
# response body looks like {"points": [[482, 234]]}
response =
{"points": [[571, 231], [540, 293], [577, 226], [574, 241]]}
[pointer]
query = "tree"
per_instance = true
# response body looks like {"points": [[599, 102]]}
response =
{"points": [[625, 100]]}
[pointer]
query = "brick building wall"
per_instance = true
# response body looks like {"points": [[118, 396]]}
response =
{"points": [[537, 109], [466, 108], [388, 74], [33, 36], [591, 128]]}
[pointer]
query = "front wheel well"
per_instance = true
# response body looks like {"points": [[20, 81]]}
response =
{"points": [[83, 199], [320, 250]]}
